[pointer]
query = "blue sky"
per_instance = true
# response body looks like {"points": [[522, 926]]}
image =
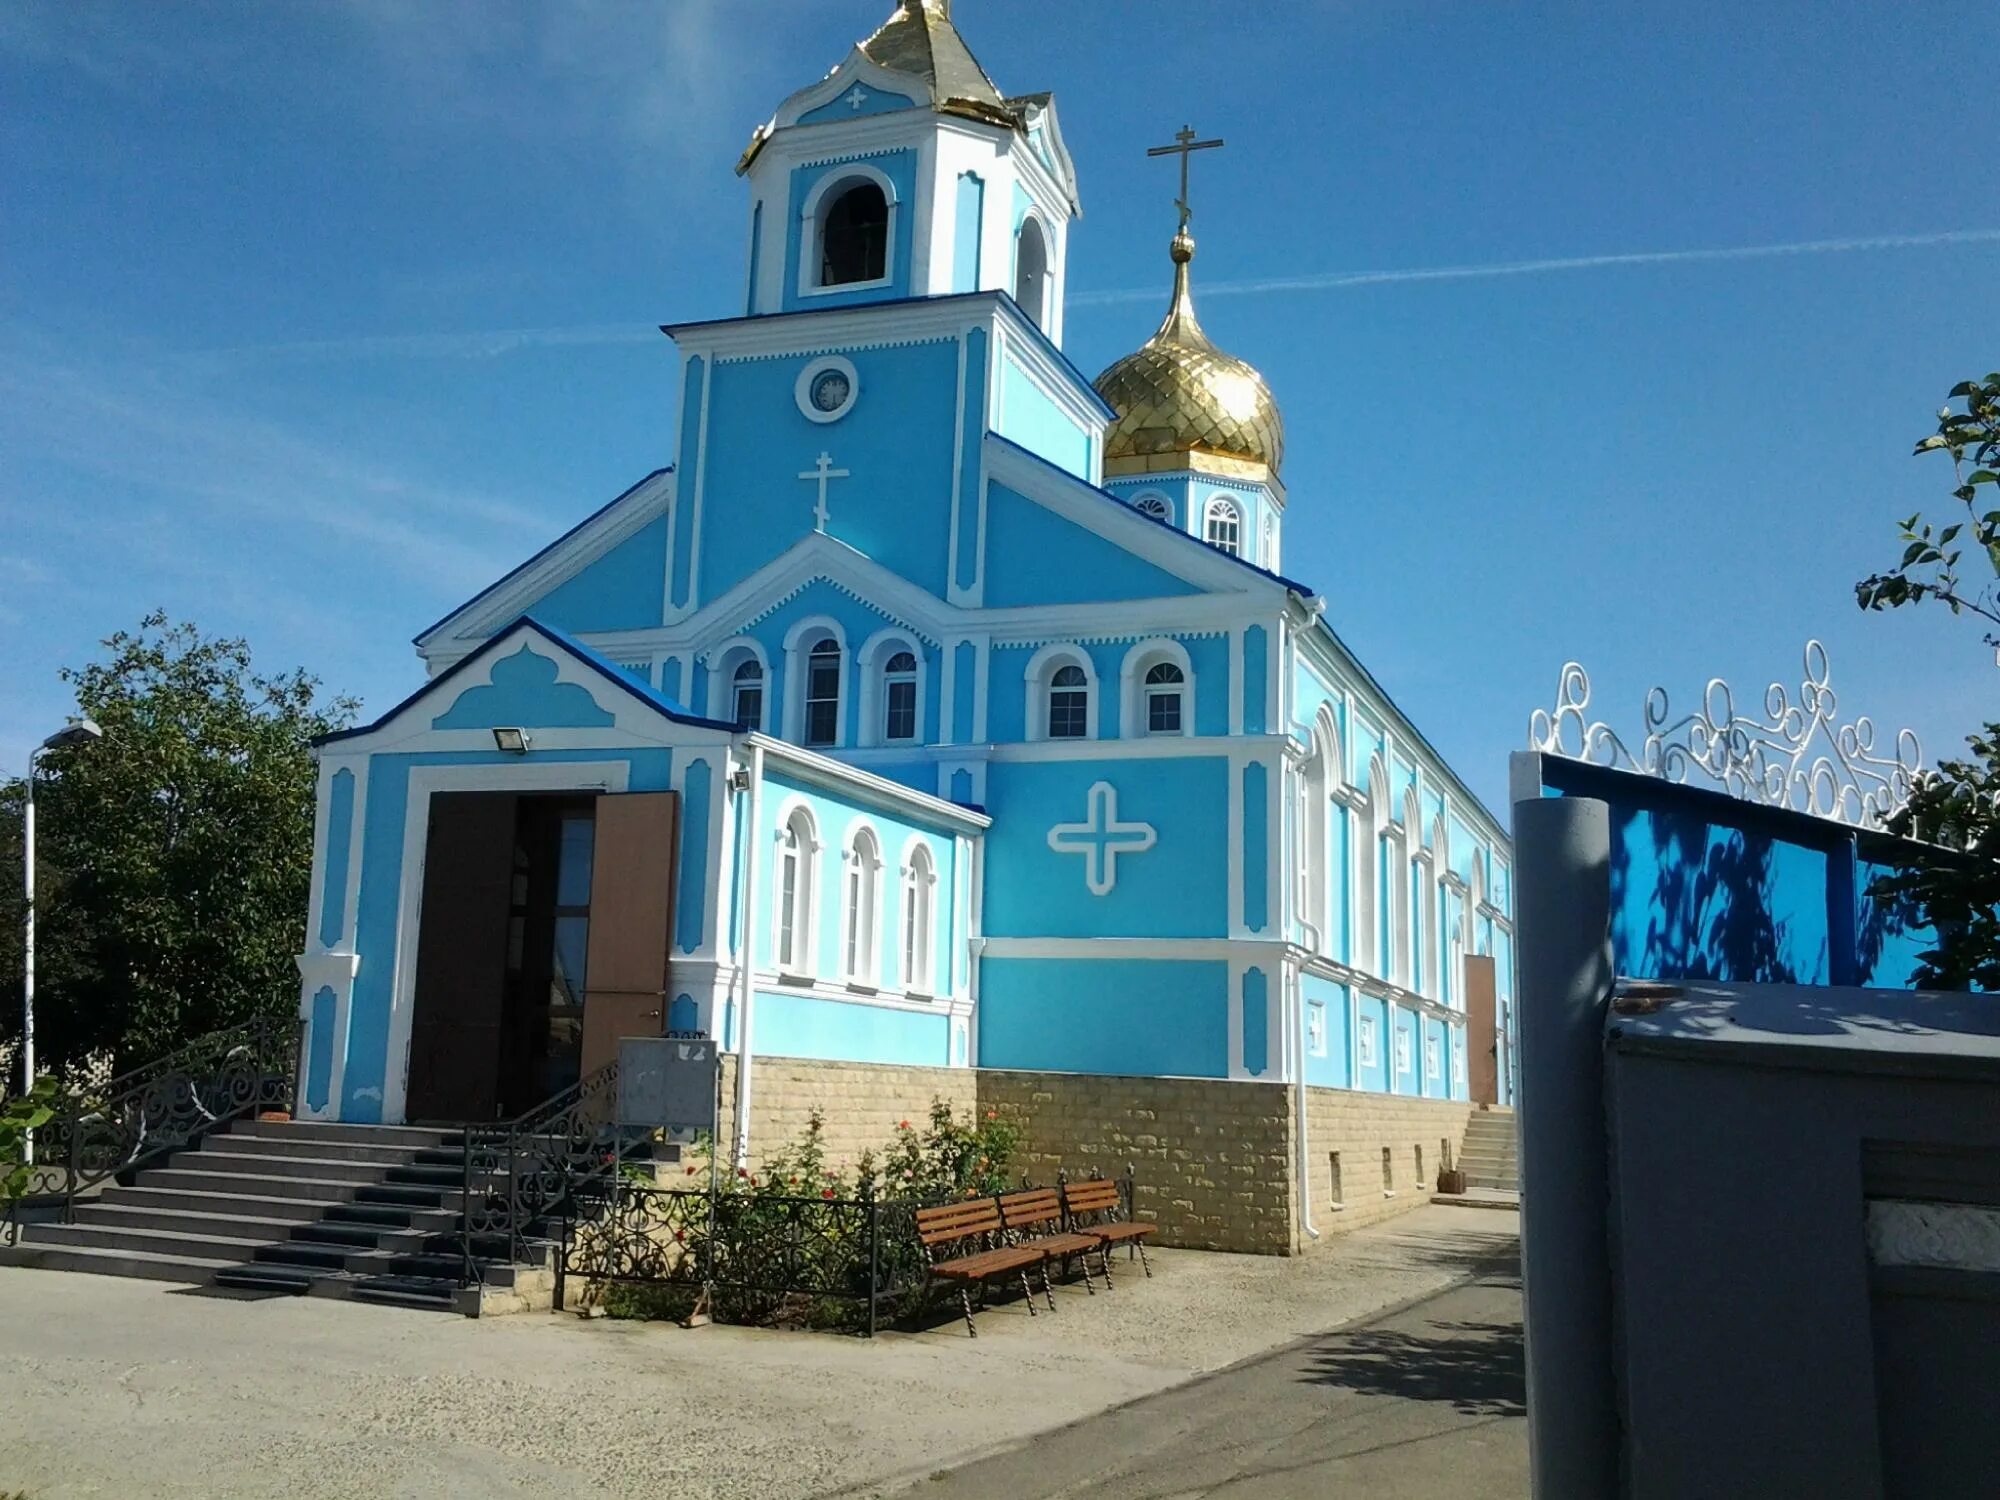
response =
{"points": [[315, 318]]}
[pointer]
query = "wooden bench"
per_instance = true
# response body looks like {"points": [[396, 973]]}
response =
{"points": [[1093, 1208], [1034, 1218], [963, 1244]]}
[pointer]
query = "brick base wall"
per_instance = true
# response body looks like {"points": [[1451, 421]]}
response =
{"points": [[861, 1102], [1215, 1159], [1359, 1127], [1212, 1158]]}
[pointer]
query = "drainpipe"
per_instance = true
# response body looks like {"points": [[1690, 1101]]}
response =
{"points": [[1298, 987], [746, 955]]}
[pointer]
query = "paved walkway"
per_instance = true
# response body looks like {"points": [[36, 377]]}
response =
{"points": [[112, 1387], [1426, 1402]]}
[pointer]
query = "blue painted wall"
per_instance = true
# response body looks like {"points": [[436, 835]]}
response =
{"points": [[1178, 888], [856, 100], [1029, 417], [969, 212], [789, 1025], [1034, 556], [1105, 1016], [1333, 1070], [619, 591], [339, 835], [1256, 1021]]}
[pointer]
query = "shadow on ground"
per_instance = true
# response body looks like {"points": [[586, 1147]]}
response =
{"points": [[1476, 1367]]}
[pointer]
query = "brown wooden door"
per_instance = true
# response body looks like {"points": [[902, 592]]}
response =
{"points": [[631, 921], [455, 1026], [1482, 1036]]}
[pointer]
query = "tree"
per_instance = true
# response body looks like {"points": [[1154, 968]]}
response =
{"points": [[1955, 881], [1930, 565], [174, 855]]}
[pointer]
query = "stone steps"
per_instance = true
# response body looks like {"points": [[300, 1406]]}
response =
{"points": [[366, 1212], [1490, 1157]]}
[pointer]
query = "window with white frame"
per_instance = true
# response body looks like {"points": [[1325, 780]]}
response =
{"points": [[1031, 271], [1368, 1043], [796, 849], [1458, 1065], [823, 673], [1405, 1058], [860, 920], [1224, 530], [1433, 1057], [746, 694], [899, 697], [1165, 684], [1155, 506], [919, 882], [1315, 1028], [1069, 703], [852, 234]]}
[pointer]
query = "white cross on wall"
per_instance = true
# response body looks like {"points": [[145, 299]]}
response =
{"points": [[1100, 838], [823, 471], [856, 97]]}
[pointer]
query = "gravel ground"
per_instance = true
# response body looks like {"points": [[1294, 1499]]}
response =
{"points": [[112, 1387]]}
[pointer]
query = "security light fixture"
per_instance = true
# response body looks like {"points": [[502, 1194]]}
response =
{"points": [[511, 741], [739, 779], [76, 732]]}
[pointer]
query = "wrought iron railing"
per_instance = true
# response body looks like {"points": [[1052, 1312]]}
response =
{"points": [[166, 1106], [771, 1251], [524, 1174]]}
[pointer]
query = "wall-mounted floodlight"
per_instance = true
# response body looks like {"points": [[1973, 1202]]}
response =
{"points": [[739, 779], [511, 741]]}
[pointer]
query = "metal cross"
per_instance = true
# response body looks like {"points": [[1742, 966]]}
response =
{"points": [[823, 471], [1100, 838], [1186, 145]]}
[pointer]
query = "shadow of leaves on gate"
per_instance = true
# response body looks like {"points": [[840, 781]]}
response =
{"points": [[1476, 1367]]}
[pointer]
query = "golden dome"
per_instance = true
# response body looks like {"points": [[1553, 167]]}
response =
{"points": [[1178, 393]]}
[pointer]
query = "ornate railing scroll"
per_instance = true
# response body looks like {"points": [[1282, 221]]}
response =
{"points": [[165, 1106], [523, 1173], [1798, 755]]}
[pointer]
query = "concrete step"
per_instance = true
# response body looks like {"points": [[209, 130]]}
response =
{"points": [[170, 1199], [316, 1149], [187, 1242], [222, 1225], [318, 1169], [246, 1185], [409, 1138], [188, 1270], [1509, 1183]]}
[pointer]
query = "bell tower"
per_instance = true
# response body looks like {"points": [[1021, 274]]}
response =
{"points": [[905, 172]]}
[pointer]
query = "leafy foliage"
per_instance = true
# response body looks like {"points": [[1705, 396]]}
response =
{"points": [[18, 1117], [174, 855], [1932, 555], [1955, 879]]}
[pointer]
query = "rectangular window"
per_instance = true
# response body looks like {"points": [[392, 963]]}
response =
{"points": [[822, 699], [1405, 1059], [749, 707], [788, 890], [1069, 715], [900, 721], [1316, 1028], [1163, 713], [1369, 1055], [1433, 1061]]}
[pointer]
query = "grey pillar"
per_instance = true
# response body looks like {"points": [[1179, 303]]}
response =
{"points": [[1562, 853]]}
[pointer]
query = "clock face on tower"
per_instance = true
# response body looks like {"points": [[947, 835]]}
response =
{"points": [[829, 390], [826, 388]]}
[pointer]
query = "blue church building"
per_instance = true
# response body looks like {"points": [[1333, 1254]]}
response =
{"points": [[935, 705]]}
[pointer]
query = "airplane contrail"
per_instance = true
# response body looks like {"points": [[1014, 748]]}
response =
{"points": [[1325, 281]]}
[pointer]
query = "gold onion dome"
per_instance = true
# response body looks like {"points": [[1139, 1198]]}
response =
{"points": [[1179, 394]]}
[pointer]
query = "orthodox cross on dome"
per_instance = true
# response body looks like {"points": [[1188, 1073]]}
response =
{"points": [[822, 471], [1100, 838], [1185, 146]]}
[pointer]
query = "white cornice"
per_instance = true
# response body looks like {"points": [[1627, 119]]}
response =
{"points": [[811, 331], [1054, 379], [822, 770]]}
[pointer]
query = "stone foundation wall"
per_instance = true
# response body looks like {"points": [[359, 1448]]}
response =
{"points": [[1212, 1157], [1359, 1127], [1215, 1159], [861, 1102]]}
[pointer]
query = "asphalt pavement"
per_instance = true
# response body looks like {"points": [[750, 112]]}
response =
{"points": [[1427, 1401]]}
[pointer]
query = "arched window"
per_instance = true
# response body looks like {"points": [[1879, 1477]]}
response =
{"points": [[899, 697], [1164, 685], [1225, 527], [797, 846], [919, 880], [1155, 506], [1371, 910], [861, 921], [746, 694], [1031, 271], [822, 726], [1069, 703], [1313, 811], [854, 235]]}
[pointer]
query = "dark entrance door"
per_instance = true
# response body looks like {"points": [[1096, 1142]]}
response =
{"points": [[455, 1027], [1482, 1032], [543, 939]]}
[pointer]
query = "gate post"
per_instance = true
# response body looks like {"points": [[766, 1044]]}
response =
{"points": [[1562, 856]]}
